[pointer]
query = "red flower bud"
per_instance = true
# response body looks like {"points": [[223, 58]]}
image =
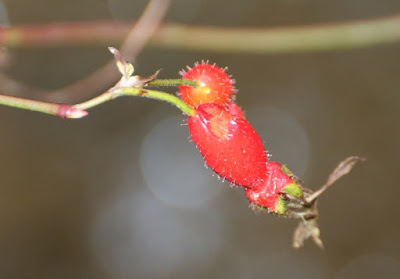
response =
{"points": [[229, 144]]}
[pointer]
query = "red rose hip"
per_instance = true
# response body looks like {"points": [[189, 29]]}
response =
{"points": [[229, 144], [215, 86], [235, 110]]}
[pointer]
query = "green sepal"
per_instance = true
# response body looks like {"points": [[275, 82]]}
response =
{"points": [[280, 207], [293, 190], [287, 171]]}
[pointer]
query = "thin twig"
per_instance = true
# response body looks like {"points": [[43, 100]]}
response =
{"points": [[18, 88], [79, 110], [60, 110]]}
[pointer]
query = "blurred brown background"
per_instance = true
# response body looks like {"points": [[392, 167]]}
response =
{"points": [[123, 194]]}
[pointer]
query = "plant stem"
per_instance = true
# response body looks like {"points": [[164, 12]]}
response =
{"points": [[16, 102], [157, 95], [219, 39], [281, 39], [172, 82], [105, 97], [61, 110], [79, 110]]}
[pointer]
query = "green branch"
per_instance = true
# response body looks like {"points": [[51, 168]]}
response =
{"points": [[219, 39], [79, 110], [61, 110], [157, 95], [280, 39]]}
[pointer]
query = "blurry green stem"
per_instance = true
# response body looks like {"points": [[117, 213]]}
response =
{"points": [[260, 40], [281, 39]]}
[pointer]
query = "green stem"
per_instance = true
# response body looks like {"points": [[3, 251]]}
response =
{"points": [[105, 97], [78, 110], [173, 82], [280, 39], [16, 102], [157, 95], [262, 40], [60, 110]]}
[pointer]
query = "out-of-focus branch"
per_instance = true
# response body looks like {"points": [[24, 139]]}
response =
{"points": [[281, 39], [133, 44], [16, 88], [65, 34], [220, 39]]}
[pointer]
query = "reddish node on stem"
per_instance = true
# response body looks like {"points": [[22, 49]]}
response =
{"points": [[68, 111], [229, 144], [215, 86]]}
